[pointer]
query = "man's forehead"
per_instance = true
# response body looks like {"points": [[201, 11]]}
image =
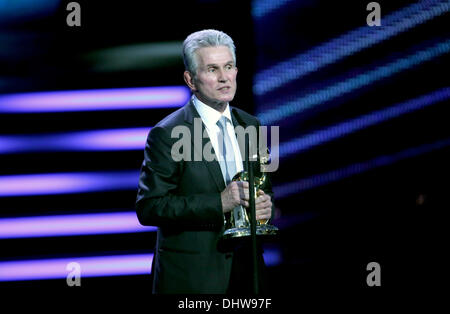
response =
{"points": [[214, 55]]}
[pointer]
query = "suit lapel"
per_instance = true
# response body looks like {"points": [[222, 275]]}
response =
{"points": [[238, 120], [212, 166]]}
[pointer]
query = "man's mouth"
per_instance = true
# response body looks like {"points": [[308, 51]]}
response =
{"points": [[224, 88]]}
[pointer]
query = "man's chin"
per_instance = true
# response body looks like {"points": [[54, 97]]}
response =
{"points": [[227, 98], [219, 101]]}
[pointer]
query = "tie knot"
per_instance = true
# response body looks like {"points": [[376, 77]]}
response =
{"points": [[222, 122]]}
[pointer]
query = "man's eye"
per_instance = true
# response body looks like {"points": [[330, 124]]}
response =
{"points": [[211, 70], [229, 67]]}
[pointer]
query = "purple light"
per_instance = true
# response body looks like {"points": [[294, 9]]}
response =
{"points": [[301, 144], [272, 257], [63, 183], [70, 225], [304, 184], [97, 140], [98, 266], [96, 99]]}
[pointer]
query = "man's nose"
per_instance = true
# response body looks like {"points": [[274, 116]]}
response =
{"points": [[221, 76]]}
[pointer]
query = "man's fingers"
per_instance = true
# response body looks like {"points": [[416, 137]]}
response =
{"points": [[263, 206], [243, 191], [243, 184], [263, 214], [243, 194], [263, 211], [263, 203], [263, 198]]}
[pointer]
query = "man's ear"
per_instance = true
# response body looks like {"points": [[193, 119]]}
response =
{"points": [[189, 79]]}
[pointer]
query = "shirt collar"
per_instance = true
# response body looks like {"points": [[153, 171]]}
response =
{"points": [[209, 115]]}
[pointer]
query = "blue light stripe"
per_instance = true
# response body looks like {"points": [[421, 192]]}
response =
{"points": [[71, 225], [94, 266], [67, 183], [95, 99], [303, 103], [306, 142], [315, 181], [95, 140], [261, 8], [14, 11], [346, 45]]}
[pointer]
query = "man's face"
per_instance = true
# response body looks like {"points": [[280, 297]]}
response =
{"points": [[215, 82]]}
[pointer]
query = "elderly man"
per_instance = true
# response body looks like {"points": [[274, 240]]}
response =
{"points": [[187, 199]]}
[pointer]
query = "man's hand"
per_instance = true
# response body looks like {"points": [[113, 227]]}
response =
{"points": [[263, 206], [236, 193]]}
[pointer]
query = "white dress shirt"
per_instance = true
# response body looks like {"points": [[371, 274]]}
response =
{"points": [[210, 117]]}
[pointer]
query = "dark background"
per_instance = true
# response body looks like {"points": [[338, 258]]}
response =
{"points": [[393, 215]]}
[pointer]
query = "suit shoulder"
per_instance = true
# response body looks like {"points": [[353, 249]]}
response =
{"points": [[162, 129], [251, 119], [172, 120]]}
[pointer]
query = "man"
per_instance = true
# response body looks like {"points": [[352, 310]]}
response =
{"points": [[187, 199]]}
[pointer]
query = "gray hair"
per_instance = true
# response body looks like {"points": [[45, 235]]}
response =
{"points": [[204, 38]]}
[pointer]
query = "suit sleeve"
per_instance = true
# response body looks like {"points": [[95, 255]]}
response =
{"points": [[157, 201]]}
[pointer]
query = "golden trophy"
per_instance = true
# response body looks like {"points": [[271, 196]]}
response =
{"points": [[237, 223]]}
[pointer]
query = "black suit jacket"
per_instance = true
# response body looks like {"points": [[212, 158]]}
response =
{"points": [[183, 199]]}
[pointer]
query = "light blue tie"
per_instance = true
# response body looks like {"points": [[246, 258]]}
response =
{"points": [[228, 163]]}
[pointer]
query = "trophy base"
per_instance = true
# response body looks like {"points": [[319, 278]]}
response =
{"points": [[261, 231]]}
